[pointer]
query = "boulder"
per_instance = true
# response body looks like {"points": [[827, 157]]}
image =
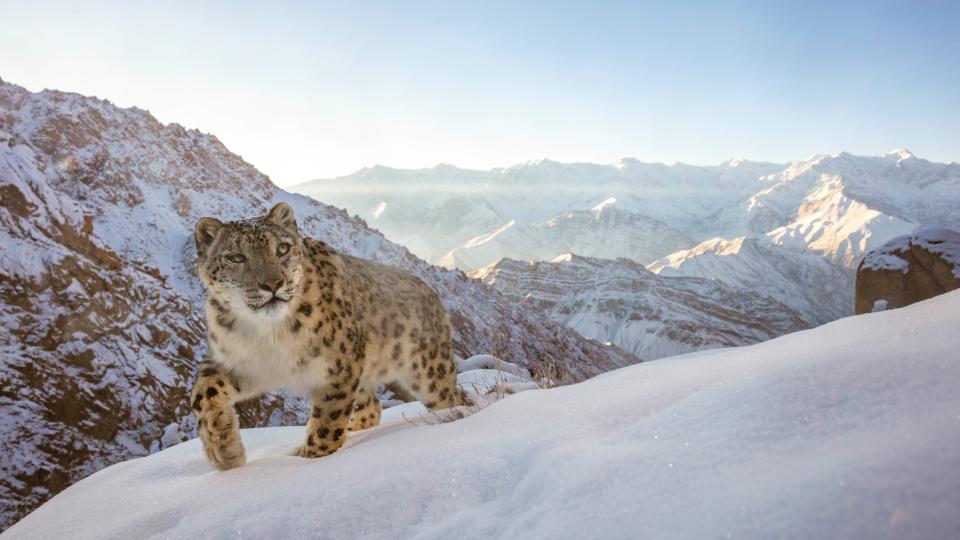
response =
{"points": [[909, 269]]}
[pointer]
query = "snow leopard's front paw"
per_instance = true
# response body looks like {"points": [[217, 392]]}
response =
{"points": [[307, 452], [220, 434]]}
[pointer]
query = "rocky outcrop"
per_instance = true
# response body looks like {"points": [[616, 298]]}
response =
{"points": [[909, 269]]}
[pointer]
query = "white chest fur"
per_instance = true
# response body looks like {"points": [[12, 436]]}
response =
{"points": [[266, 353]]}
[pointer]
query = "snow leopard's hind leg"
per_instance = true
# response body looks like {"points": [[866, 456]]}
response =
{"points": [[333, 404], [366, 410], [435, 385]]}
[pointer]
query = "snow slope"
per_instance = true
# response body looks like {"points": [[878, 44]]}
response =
{"points": [[849, 430]]}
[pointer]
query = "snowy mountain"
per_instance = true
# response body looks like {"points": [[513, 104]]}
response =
{"points": [[838, 206], [818, 289], [842, 206], [801, 238], [100, 319], [603, 231], [443, 211], [795, 232], [845, 431], [652, 316]]}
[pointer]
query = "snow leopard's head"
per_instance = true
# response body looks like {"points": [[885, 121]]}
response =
{"points": [[253, 262]]}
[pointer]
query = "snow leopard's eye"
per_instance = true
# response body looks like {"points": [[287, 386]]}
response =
{"points": [[283, 249], [236, 258]]}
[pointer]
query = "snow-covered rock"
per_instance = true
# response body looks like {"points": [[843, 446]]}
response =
{"points": [[908, 269], [100, 319], [488, 361], [652, 316], [848, 430]]}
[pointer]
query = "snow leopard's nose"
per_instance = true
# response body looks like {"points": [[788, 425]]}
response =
{"points": [[271, 286]]}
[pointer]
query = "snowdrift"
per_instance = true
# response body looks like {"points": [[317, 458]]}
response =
{"points": [[850, 430]]}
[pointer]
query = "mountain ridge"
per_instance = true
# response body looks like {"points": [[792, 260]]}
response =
{"points": [[650, 315], [725, 200], [808, 222]]}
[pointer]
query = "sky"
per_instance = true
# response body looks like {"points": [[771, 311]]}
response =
{"points": [[317, 90]]}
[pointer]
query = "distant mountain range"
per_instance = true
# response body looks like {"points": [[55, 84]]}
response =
{"points": [[837, 206], [792, 232]]}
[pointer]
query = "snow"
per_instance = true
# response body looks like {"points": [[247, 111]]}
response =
{"points": [[886, 261], [900, 154], [936, 240], [488, 361], [849, 430], [172, 435], [378, 211], [487, 384], [609, 201]]}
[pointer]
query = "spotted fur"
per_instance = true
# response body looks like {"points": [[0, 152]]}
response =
{"points": [[290, 312]]}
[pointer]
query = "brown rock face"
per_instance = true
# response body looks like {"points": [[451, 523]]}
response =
{"points": [[909, 269]]}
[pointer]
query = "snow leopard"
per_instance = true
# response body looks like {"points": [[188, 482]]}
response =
{"points": [[287, 311]]}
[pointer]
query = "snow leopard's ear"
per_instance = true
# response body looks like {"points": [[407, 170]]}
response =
{"points": [[205, 232], [282, 215]]}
